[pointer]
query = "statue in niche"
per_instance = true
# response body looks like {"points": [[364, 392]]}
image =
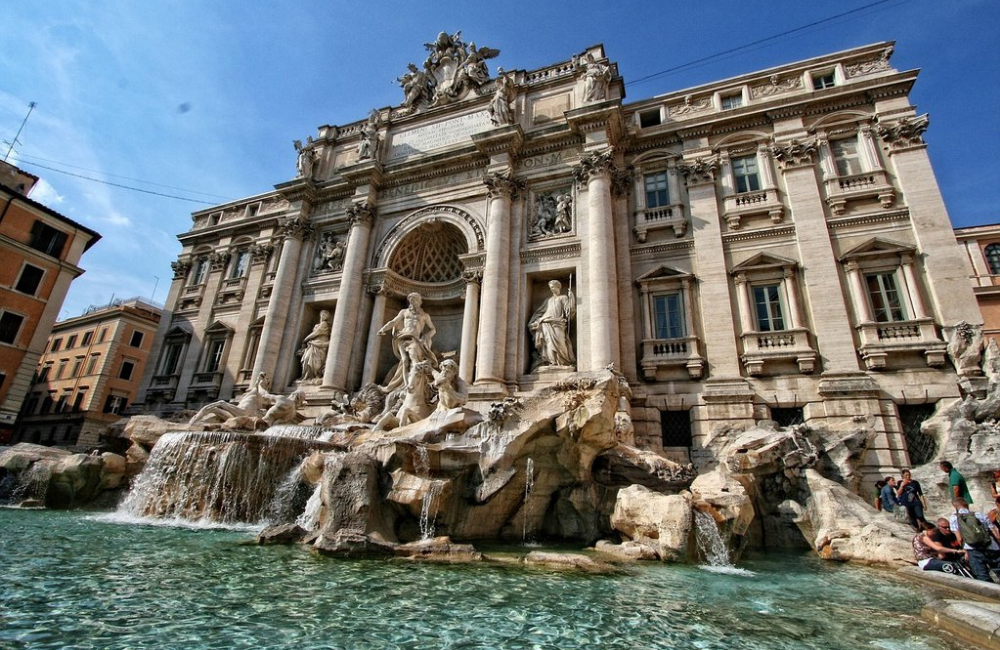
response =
{"points": [[501, 113], [369, 137], [553, 215], [314, 348], [412, 339], [252, 404], [306, 161], [330, 253], [452, 390], [549, 326], [965, 348], [564, 213], [597, 81], [417, 87]]}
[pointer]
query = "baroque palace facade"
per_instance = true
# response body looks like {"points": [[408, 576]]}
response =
{"points": [[770, 246]]}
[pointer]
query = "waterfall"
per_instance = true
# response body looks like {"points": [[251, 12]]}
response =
{"points": [[529, 485], [309, 519], [422, 461], [710, 542], [217, 477], [428, 519]]}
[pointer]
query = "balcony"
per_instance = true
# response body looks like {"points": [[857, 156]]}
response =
{"points": [[868, 185], [785, 345], [661, 354], [737, 206], [667, 216], [879, 341]]}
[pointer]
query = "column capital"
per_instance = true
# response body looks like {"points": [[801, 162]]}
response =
{"points": [[219, 259], [259, 252], [473, 276], [852, 266], [904, 133], [699, 171], [598, 162], [621, 181], [740, 278], [503, 184], [296, 227], [181, 268], [794, 153], [361, 214]]}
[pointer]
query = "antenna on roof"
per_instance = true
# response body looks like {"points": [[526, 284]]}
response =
{"points": [[31, 107]]}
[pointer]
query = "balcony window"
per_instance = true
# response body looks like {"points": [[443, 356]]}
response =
{"points": [[846, 156], [746, 173], [992, 253], [767, 308], [171, 355], [199, 272], [668, 316], [240, 263], [887, 304], [656, 190]]}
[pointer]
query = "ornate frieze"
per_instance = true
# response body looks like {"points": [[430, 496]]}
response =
{"points": [[776, 86], [503, 184], [599, 162], [561, 252], [794, 153], [869, 67], [296, 227], [181, 268], [330, 252], [690, 106], [700, 170], [361, 214], [904, 132], [552, 214]]}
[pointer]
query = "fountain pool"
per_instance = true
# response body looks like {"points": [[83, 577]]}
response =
{"points": [[73, 579]]}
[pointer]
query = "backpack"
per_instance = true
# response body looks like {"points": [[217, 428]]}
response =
{"points": [[973, 532]]}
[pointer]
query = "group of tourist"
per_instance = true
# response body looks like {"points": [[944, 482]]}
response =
{"points": [[966, 543]]}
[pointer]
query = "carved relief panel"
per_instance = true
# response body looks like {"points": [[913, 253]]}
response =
{"points": [[551, 213]]}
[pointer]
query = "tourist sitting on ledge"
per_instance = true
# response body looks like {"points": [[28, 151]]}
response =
{"points": [[932, 554], [979, 539]]}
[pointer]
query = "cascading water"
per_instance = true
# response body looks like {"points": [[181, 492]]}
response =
{"points": [[422, 461], [309, 519], [529, 485], [429, 511], [712, 547], [217, 477]]}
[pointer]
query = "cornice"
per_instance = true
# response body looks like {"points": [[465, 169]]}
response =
{"points": [[659, 248], [900, 214], [759, 233], [562, 251]]}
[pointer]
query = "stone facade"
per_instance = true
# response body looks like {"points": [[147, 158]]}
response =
{"points": [[982, 252], [770, 246]]}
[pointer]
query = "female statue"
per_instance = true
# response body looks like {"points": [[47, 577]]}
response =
{"points": [[314, 347], [549, 326]]}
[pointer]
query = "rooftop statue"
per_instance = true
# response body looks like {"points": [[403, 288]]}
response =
{"points": [[504, 93], [598, 79], [452, 68]]}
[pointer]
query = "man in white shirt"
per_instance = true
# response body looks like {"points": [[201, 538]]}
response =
{"points": [[982, 553]]}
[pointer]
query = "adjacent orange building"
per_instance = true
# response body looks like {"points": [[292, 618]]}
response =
{"points": [[40, 250], [981, 245]]}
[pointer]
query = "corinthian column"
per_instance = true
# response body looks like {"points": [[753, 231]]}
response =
{"points": [[295, 230], [470, 324], [602, 282], [492, 346], [345, 317]]}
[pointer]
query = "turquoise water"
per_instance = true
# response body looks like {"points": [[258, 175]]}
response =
{"points": [[75, 580]]}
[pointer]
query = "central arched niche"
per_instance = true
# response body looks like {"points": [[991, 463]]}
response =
{"points": [[428, 260]]}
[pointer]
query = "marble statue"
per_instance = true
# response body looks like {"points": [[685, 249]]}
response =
{"points": [[330, 253], [368, 146], [417, 399], [412, 338], [306, 160], [314, 348], [285, 409], [417, 87], [252, 404], [597, 81], [452, 389], [564, 214], [553, 214], [549, 326], [504, 94], [965, 348], [452, 68]]}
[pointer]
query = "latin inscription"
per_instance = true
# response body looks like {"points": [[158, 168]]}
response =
{"points": [[413, 188], [424, 139]]}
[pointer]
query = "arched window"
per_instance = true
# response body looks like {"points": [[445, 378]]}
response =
{"points": [[993, 258]]}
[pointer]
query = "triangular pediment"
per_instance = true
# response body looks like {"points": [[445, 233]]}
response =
{"points": [[877, 246], [178, 330], [662, 273], [219, 327], [762, 261]]}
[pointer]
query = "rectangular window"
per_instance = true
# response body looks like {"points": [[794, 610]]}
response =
{"points": [[30, 405], [92, 363], [656, 190], [56, 344], [745, 173], [214, 357], [114, 404], [823, 80], [46, 239], [199, 272], [668, 316], [61, 404], [846, 156], [214, 218], [730, 102], [239, 267], [675, 428], [61, 373], [126, 370], [47, 403], [887, 305], [253, 209], [31, 277], [43, 374], [649, 118], [81, 395], [767, 307], [10, 325], [71, 342], [77, 365], [87, 337], [136, 341], [171, 356]]}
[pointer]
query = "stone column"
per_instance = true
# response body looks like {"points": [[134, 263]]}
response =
{"points": [[374, 340], [295, 230], [181, 268], [766, 165], [821, 270], [470, 324], [602, 278], [345, 317], [791, 291], [913, 288], [859, 293], [492, 347], [745, 303]]}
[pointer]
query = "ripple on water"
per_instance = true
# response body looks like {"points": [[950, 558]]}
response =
{"points": [[73, 580]]}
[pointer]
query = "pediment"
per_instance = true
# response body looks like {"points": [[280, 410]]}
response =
{"points": [[219, 327], [662, 273], [762, 261], [877, 246], [179, 330]]}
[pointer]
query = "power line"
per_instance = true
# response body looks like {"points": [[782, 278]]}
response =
{"points": [[126, 187], [739, 48]]}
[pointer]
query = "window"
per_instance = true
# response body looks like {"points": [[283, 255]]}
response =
{"points": [[47, 402], [823, 80], [77, 365], [103, 335], [43, 373], [846, 156], [46, 239], [993, 258], [745, 173], [136, 341], [3, 378], [114, 404], [767, 307], [61, 404], [213, 358], [56, 344], [171, 355], [92, 363], [253, 209], [675, 428], [81, 395], [884, 295], [87, 337], [126, 370], [200, 271], [71, 342], [214, 218], [30, 404], [729, 102], [668, 316], [922, 447], [649, 118], [240, 262], [788, 416], [656, 190], [10, 325], [61, 373], [31, 277]]}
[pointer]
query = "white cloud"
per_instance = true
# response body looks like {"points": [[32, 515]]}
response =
{"points": [[46, 194]]}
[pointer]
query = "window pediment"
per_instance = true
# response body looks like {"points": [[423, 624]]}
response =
{"points": [[663, 275], [877, 247], [218, 327], [764, 262]]}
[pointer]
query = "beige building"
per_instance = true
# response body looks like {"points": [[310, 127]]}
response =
{"points": [[981, 245], [89, 373], [769, 246]]}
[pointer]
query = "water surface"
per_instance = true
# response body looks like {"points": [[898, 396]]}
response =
{"points": [[70, 579]]}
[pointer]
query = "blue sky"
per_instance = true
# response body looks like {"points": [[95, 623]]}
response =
{"points": [[202, 99]]}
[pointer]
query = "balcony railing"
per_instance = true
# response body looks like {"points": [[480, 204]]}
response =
{"points": [[672, 353], [784, 345], [840, 190], [880, 341], [667, 216], [737, 206]]}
